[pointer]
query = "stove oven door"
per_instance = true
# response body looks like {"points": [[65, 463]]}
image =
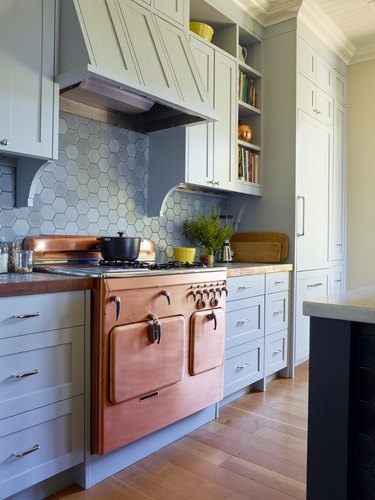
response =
{"points": [[206, 340], [138, 365]]}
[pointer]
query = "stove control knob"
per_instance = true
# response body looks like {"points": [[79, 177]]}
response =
{"points": [[194, 294], [205, 291]]}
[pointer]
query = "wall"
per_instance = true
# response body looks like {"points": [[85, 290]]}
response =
{"points": [[361, 176], [98, 187]]}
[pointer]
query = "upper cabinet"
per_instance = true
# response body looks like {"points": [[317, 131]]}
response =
{"points": [[212, 155], [27, 91], [176, 11]]}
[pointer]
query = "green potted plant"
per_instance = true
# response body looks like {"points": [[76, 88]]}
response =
{"points": [[208, 233]]}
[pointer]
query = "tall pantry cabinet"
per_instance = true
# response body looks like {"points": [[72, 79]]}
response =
{"points": [[304, 165]]}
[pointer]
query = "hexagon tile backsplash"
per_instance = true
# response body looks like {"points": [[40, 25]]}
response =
{"points": [[98, 186]]}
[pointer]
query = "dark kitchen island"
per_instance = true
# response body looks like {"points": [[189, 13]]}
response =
{"points": [[341, 422]]}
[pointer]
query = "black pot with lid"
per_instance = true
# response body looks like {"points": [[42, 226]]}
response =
{"points": [[120, 247]]}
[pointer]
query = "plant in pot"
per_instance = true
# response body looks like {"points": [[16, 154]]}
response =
{"points": [[208, 233]]}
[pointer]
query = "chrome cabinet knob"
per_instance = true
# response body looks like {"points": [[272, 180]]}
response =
{"points": [[4, 142]]}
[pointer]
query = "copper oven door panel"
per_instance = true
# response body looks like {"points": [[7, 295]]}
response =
{"points": [[206, 340], [138, 366]]}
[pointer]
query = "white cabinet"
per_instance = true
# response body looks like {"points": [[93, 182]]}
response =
{"points": [[309, 285], [336, 280], [203, 154], [176, 11], [337, 186], [314, 101], [314, 159], [27, 91], [314, 66], [256, 333], [42, 389], [276, 322], [244, 333]]}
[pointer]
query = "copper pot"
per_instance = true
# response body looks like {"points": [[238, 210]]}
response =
{"points": [[245, 132]]}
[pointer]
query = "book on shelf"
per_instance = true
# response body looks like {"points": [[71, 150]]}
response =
{"points": [[248, 165], [246, 89]]}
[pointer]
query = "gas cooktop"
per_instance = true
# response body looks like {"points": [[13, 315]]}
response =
{"points": [[105, 269]]}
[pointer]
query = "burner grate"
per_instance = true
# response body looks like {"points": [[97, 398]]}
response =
{"points": [[125, 264], [135, 264]]}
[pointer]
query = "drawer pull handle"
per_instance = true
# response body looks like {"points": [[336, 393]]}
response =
{"points": [[242, 322], [276, 283], [23, 316], [338, 245], [245, 287], [276, 313], [275, 353], [241, 367], [313, 285], [26, 374], [21, 454]]}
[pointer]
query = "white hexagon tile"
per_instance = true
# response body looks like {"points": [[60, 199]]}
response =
{"points": [[98, 186]]}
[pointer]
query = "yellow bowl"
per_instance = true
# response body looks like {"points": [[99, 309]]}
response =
{"points": [[203, 30], [184, 254]]}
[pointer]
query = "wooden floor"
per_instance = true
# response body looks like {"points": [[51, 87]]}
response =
{"points": [[255, 450]]}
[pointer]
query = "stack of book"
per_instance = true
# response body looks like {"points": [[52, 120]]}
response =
{"points": [[248, 165], [246, 89]]}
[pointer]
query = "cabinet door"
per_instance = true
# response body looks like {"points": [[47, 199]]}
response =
{"points": [[174, 10], [314, 151], [324, 74], [306, 59], [314, 101], [336, 280], [337, 191], [152, 62], [225, 130], [26, 77], [200, 137], [310, 285]]}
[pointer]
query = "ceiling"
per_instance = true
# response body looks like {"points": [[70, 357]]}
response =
{"points": [[352, 22]]}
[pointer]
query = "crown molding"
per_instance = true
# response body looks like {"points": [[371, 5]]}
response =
{"points": [[268, 13], [322, 25], [365, 53]]}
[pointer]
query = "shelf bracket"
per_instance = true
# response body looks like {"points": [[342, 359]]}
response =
{"points": [[28, 173]]}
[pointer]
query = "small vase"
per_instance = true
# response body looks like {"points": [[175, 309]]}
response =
{"points": [[211, 260], [208, 259]]}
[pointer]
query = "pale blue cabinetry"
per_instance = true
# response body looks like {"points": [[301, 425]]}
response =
{"points": [[256, 335], [27, 89], [42, 387], [276, 322]]}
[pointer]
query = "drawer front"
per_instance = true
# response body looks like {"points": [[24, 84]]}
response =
{"points": [[244, 321], [39, 313], [243, 366], [47, 441], [277, 282], [276, 352], [277, 312], [40, 369], [245, 286]]}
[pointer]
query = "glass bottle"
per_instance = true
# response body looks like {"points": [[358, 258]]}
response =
{"points": [[3, 257]]}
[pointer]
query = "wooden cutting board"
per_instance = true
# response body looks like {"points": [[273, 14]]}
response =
{"points": [[270, 247]]}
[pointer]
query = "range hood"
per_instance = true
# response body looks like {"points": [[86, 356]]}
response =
{"points": [[121, 62]]}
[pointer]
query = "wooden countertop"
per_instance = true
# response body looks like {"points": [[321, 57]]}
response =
{"points": [[12, 284], [247, 269]]}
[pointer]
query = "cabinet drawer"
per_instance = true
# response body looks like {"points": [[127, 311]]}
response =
{"points": [[40, 313], [244, 321], [40, 369], [243, 366], [276, 312], [277, 282], [276, 352], [245, 286], [54, 432]]}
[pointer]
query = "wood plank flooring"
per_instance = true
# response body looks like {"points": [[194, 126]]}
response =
{"points": [[255, 450]]}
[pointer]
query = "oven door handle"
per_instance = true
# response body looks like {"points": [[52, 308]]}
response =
{"points": [[118, 307], [154, 329], [212, 316]]}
